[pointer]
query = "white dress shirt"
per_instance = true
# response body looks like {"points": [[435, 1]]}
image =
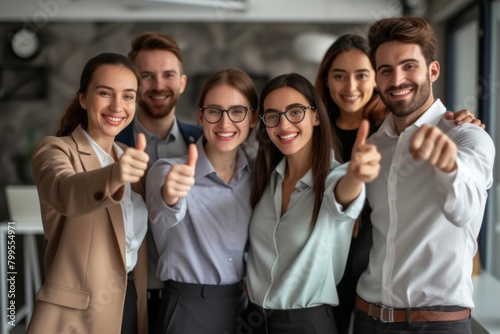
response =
{"points": [[133, 209], [290, 265], [425, 221]]}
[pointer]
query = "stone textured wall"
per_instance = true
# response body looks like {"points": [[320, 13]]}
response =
{"points": [[262, 49]]}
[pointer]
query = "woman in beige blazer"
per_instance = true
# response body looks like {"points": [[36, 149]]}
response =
{"points": [[95, 266]]}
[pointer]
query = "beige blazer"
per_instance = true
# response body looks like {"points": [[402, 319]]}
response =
{"points": [[85, 272]]}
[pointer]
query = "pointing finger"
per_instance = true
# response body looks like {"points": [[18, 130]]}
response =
{"points": [[363, 130]]}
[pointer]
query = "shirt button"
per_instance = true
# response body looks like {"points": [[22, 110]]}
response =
{"points": [[230, 259], [130, 234]]}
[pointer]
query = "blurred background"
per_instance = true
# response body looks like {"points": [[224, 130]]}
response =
{"points": [[264, 37]]}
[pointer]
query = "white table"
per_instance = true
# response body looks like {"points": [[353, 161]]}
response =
{"points": [[32, 280], [486, 313]]}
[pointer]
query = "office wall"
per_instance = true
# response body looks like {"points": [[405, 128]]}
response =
{"points": [[263, 49]]}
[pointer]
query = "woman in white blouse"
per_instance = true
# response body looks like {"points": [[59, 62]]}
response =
{"points": [[305, 205], [94, 224]]}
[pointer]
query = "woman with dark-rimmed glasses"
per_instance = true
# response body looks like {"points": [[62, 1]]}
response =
{"points": [[199, 210], [305, 204]]}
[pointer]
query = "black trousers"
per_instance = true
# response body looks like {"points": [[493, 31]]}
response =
{"points": [[154, 302], [129, 320], [195, 308], [313, 320]]}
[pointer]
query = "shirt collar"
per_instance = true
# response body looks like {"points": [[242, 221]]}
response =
{"points": [[306, 181], [204, 167], [174, 134], [104, 158], [431, 116]]}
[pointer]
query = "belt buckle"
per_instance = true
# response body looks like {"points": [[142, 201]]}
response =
{"points": [[386, 314]]}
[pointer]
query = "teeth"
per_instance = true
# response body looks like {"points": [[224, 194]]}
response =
{"points": [[158, 97], [114, 119], [289, 137], [226, 134], [401, 92], [350, 98]]}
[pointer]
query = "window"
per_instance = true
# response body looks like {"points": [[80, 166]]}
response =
{"points": [[492, 91]]}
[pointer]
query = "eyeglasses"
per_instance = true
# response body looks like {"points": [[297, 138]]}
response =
{"points": [[294, 115], [236, 114]]}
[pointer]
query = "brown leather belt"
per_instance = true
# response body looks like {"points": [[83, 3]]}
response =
{"points": [[388, 314]]}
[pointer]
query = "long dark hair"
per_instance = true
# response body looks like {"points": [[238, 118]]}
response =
{"points": [[324, 140], [375, 110], [75, 115]]}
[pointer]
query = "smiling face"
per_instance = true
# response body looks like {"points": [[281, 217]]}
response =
{"points": [[162, 82], [109, 101], [225, 135], [288, 137], [404, 79], [351, 81]]}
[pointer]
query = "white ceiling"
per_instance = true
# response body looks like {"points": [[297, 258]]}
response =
{"points": [[330, 11], [337, 11]]}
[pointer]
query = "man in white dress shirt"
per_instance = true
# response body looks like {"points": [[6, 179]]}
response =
{"points": [[428, 202]]}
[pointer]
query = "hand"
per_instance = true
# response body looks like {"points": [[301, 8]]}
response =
{"points": [[434, 146], [463, 116], [131, 166], [365, 158], [180, 178]]}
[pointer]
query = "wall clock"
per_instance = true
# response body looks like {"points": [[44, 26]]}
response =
{"points": [[25, 43]]}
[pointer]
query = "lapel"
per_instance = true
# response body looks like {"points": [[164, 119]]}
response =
{"points": [[90, 161]]}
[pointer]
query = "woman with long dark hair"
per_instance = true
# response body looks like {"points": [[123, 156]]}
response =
{"points": [[93, 222], [305, 204]]}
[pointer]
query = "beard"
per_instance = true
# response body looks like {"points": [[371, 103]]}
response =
{"points": [[403, 108], [158, 111]]}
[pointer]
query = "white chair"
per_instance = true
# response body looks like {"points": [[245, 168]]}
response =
{"points": [[24, 219]]}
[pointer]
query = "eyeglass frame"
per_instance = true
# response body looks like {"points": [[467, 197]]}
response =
{"points": [[202, 110], [284, 113]]}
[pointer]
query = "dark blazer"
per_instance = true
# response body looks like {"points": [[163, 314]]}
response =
{"points": [[85, 266], [189, 132]]}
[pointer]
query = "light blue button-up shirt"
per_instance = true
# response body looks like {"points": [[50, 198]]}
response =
{"points": [[202, 238], [289, 265], [172, 146]]}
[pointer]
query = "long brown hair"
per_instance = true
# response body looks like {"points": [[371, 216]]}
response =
{"points": [[324, 140], [235, 78], [375, 110], [74, 114], [239, 80]]}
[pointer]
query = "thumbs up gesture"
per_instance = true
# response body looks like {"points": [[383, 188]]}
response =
{"points": [[180, 178], [131, 165], [363, 167], [134, 162], [365, 159], [432, 145]]}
